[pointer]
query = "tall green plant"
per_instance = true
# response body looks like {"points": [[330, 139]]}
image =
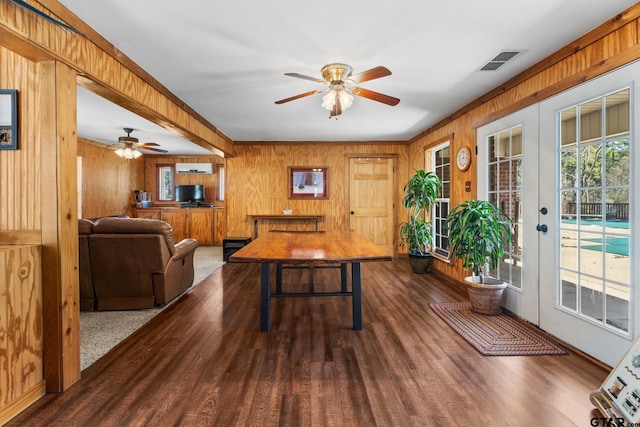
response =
{"points": [[421, 192], [478, 234]]}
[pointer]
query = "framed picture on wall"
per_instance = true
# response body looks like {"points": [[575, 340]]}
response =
{"points": [[8, 119], [308, 183]]}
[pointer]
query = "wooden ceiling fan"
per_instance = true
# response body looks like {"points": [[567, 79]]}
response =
{"points": [[132, 143], [341, 85]]}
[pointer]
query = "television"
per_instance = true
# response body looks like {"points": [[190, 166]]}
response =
{"points": [[190, 193]]}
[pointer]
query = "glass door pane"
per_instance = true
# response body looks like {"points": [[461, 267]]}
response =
{"points": [[505, 168], [595, 197]]}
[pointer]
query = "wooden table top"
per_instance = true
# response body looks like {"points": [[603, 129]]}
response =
{"points": [[285, 216], [311, 248]]}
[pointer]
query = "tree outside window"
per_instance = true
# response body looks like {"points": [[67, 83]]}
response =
{"points": [[165, 182]]}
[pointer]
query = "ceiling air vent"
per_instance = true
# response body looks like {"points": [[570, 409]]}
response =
{"points": [[499, 60]]}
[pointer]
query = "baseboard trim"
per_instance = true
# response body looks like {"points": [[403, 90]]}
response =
{"points": [[23, 402]]}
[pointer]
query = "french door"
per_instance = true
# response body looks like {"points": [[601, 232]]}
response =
{"points": [[507, 176], [587, 145]]}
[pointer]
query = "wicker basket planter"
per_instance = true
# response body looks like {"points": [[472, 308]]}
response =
{"points": [[486, 298]]}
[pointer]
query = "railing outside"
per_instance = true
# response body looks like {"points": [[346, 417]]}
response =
{"points": [[594, 210]]}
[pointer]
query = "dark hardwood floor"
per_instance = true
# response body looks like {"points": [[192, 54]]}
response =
{"points": [[203, 362]]}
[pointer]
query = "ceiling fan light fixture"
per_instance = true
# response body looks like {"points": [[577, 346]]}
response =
{"points": [[128, 152], [346, 99], [340, 93], [329, 100]]}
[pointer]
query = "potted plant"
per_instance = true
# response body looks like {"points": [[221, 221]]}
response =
{"points": [[420, 193], [478, 235]]}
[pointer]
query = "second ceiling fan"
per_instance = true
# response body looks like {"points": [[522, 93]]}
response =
{"points": [[341, 85], [132, 143]]}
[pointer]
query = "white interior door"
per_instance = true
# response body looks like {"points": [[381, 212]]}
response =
{"points": [[507, 176], [588, 159]]}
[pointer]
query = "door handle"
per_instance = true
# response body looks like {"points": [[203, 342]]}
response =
{"points": [[542, 227], [352, 212], [543, 211]]}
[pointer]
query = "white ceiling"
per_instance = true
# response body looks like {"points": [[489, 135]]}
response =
{"points": [[103, 121], [227, 59]]}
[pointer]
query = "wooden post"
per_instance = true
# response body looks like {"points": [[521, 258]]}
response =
{"points": [[59, 226]]}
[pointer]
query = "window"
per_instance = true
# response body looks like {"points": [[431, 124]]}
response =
{"points": [[440, 161], [165, 182]]}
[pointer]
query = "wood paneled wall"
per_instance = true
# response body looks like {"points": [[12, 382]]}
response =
{"points": [[21, 210], [20, 195], [21, 329], [257, 181], [611, 45], [108, 181], [210, 181]]}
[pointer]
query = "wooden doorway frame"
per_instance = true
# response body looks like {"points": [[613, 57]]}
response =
{"points": [[395, 158]]}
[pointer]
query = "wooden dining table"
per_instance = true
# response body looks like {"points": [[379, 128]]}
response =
{"points": [[313, 249]]}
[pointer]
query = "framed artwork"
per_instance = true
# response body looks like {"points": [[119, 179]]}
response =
{"points": [[308, 183], [8, 119]]}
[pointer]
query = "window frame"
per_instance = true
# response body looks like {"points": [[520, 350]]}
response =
{"points": [[220, 172], [431, 164], [162, 170]]}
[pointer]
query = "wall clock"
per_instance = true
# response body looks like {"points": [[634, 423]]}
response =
{"points": [[463, 158]]}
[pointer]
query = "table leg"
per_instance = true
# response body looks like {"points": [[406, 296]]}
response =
{"points": [[343, 278], [356, 285], [265, 297], [279, 278]]}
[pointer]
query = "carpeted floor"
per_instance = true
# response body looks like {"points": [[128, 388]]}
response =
{"points": [[501, 335], [103, 330]]}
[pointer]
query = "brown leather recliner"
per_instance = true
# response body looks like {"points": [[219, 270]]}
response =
{"points": [[136, 264]]}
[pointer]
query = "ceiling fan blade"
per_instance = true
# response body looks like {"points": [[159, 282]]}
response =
{"points": [[376, 96], [302, 95], [154, 149], [302, 76], [374, 73], [145, 144]]}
